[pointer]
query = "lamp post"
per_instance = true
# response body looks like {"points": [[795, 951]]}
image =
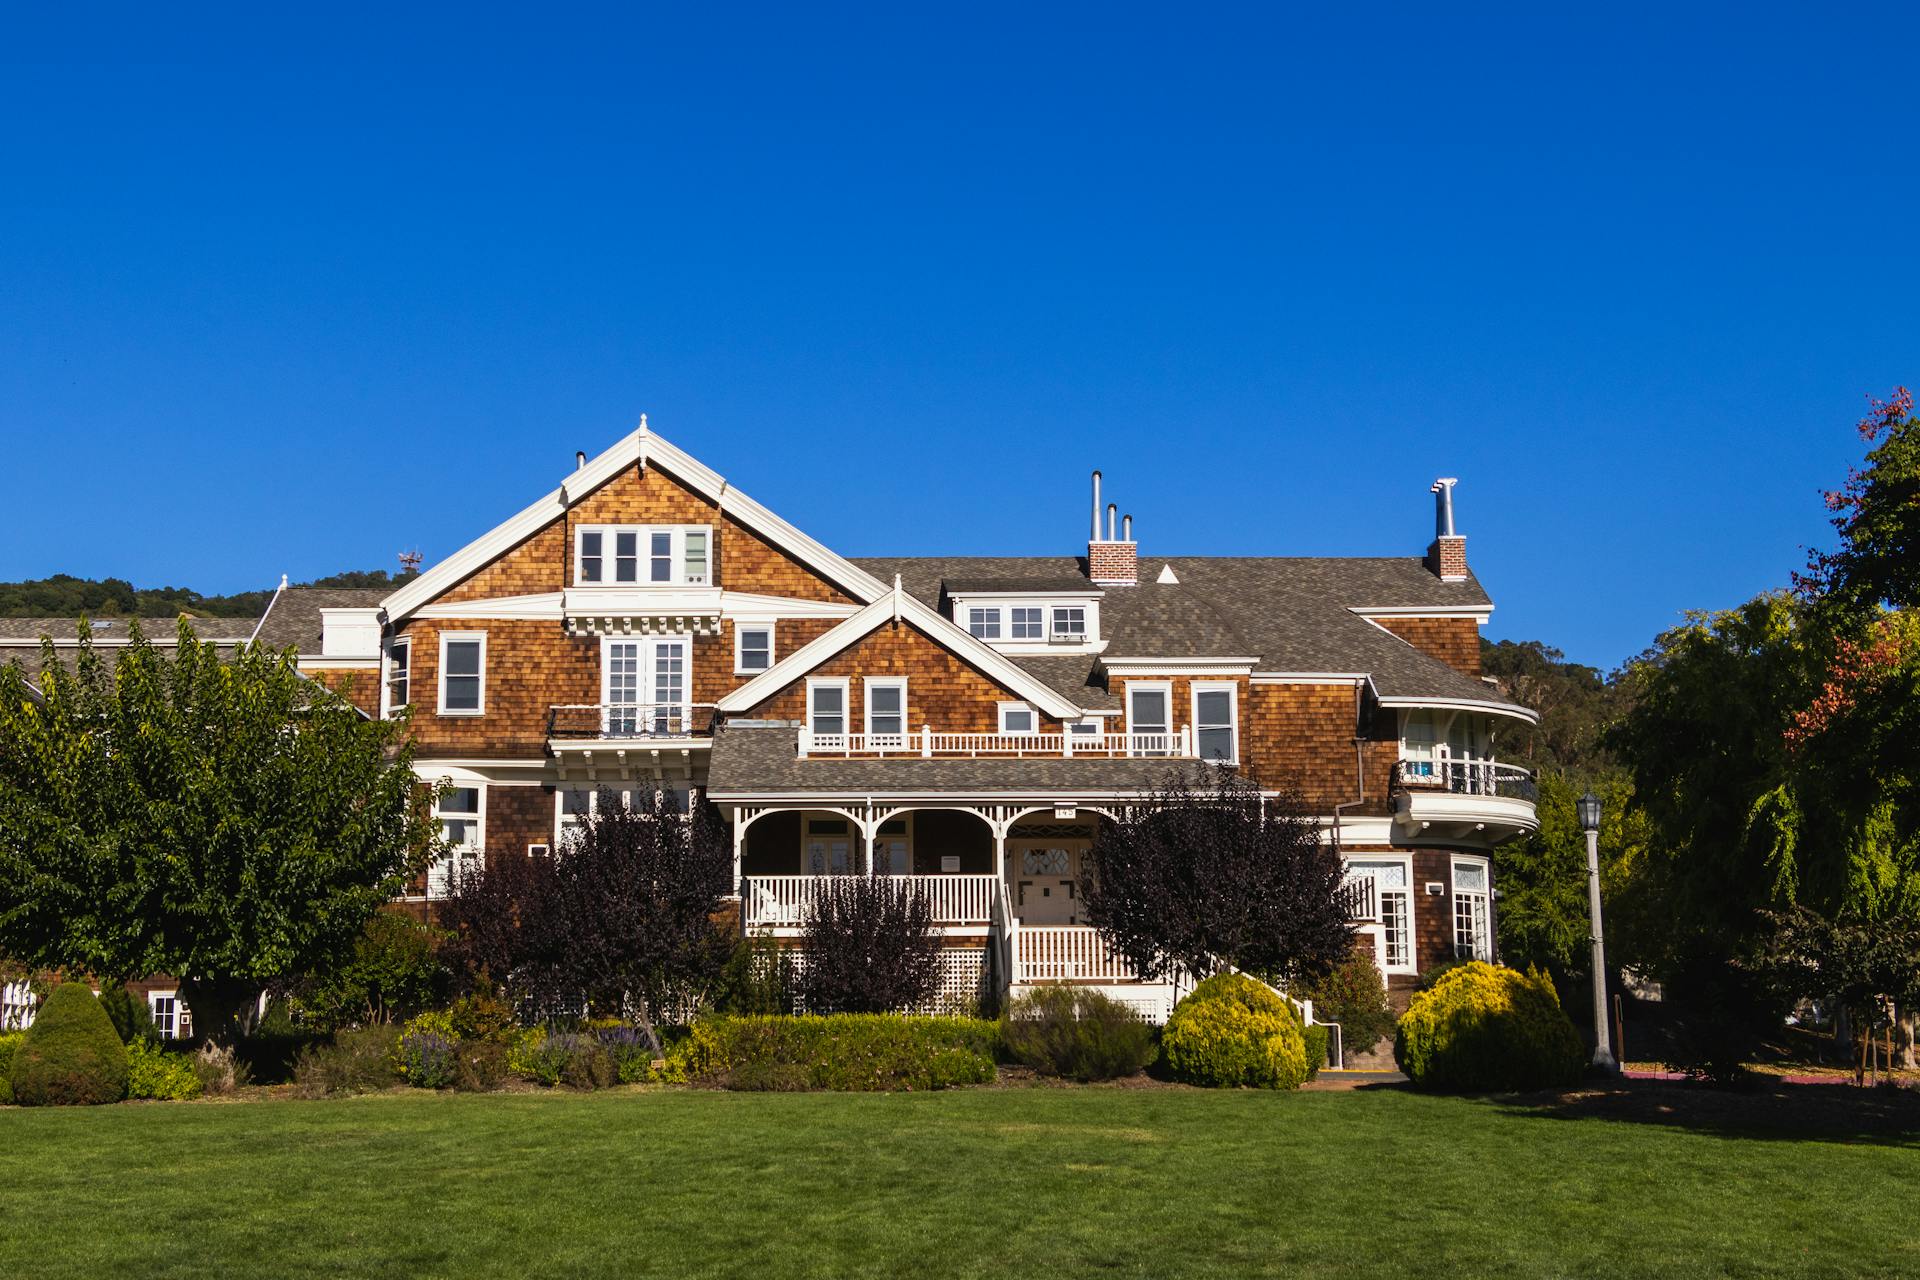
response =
{"points": [[1588, 807]]}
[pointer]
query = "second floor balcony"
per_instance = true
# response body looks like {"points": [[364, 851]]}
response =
{"points": [[1458, 796]]}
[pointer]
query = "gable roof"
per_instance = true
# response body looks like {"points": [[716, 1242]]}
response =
{"points": [[638, 448]]}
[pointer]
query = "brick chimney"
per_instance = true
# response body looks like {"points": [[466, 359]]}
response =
{"points": [[1447, 557], [1112, 561]]}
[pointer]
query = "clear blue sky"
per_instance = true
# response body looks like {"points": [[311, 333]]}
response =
{"points": [[292, 291]]}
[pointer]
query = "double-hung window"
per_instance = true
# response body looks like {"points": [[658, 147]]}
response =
{"points": [[983, 624], [1213, 722], [1025, 622], [399, 669], [459, 814], [1472, 912], [827, 706], [886, 711], [619, 555], [1149, 718], [1069, 623], [752, 648], [463, 682]]}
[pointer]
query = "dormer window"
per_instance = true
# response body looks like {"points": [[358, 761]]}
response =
{"points": [[635, 555], [984, 624], [1070, 623], [1026, 622]]}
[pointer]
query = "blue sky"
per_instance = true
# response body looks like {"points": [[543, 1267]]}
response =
{"points": [[293, 291]]}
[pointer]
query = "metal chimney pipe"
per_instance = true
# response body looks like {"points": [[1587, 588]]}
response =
{"points": [[1095, 536], [1443, 506], [579, 459], [1113, 516], [1126, 529]]}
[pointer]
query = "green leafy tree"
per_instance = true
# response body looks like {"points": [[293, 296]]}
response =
{"points": [[1543, 875], [228, 822]]}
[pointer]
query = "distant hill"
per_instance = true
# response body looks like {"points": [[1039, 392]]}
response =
{"points": [[1576, 703], [65, 596]]}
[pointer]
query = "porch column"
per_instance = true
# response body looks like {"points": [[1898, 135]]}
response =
{"points": [[740, 821]]}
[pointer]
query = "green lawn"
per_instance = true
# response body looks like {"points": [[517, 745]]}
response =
{"points": [[1033, 1182]]}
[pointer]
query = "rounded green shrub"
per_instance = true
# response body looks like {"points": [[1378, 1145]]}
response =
{"points": [[1355, 996], [71, 1056], [9, 1042], [1233, 1032], [1075, 1032], [1484, 1027]]}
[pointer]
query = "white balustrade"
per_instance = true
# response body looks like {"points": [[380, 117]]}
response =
{"points": [[783, 900], [927, 743], [1067, 953]]}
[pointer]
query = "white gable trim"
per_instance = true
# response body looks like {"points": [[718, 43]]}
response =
{"points": [[1479, 613], [897, 604], [639, 448]]}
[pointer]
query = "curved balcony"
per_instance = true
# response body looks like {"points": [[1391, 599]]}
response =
{"points": [[1462, 799]]}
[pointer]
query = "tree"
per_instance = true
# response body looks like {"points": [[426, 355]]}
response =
{"points": [[1543, 918], [228, 822], [393, 972], [1205, 879], [1575, 703], [620, 918], [1867, 967], [870, 947]]}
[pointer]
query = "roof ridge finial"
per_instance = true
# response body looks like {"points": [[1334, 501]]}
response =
{"points": [[644, 429]]}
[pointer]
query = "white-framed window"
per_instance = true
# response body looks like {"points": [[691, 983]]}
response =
{"points": [[573, 806], [983, 623], [1150, 712], [172, 1020], [1472, 910], [463, 673], [1418, 737], [1025, 622], [1069, 623], [1017, 717], [17, 1003], [827, 704], [643, 686], [461, 814], [635, 555], [397, 688], [829, 847], [886, 707], [1216, 721], [752, 648], [893, 847], [1085, 728], [1393, 881]]}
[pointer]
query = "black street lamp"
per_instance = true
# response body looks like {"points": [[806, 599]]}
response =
{"points": [[1588, 808]]}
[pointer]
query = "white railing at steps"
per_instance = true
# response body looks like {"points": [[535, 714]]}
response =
{"points": [[783, 900], [1067, 953], [927, 744], [1363, 897]]}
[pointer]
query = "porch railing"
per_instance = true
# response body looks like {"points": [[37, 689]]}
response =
{"points": [[630, 720], [1466, 776], [1362, 895], [783, 900], [1067, 953], [927, 744]]}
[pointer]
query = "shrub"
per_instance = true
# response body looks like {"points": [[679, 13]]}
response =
{"points": [[1718, 1017], [395, 971], [588, 1066], [1317, 1039], [1231, 1031], [271, 1049], [129, 1014], [479, 1066], [71, 1054], [1355, 996], [757, 978], [9, 1043], [1431, 975], [870, 947], [1078, 1033], [1488, 1027], [428, 1054], [219, 1068], [358, 1061], [528, 1057], [153, 1072], [628, 1050], [841, 1052], [480, 1017]]}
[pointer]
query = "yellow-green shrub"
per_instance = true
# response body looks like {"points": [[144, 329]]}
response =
{"points": [[1230, 1032], [1488, 1027], [153, 1072], [9, 1041], [850, 1052]]}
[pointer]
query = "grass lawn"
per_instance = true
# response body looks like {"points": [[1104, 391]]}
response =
{"points": [[990, 1182]]}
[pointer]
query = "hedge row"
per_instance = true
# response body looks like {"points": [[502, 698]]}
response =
{"points": [[848, 1052]]}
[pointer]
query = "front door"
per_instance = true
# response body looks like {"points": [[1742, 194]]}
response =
{"points": [[1045, 891]]}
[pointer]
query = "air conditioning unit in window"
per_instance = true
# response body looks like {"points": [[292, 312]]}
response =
{"points": [[1066, 637]]}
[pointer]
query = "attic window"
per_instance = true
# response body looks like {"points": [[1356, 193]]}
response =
{"points": [[984, 624], [619, 555], [1069, 623]]}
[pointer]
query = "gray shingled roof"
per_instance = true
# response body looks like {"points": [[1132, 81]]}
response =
{"points": [[1290, 613], [761, 761]]}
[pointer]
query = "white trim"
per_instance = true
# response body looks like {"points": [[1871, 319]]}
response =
{"points": [[542, 607], [440, 706], [638, 448], [386, 674], [1508, 709], [746, 604], [867, 685], [1004, 707], [846, 700], [1209, 666], [1308, 677], [1412, 966], [1478, 613], [643, 535], [1165, 689], [936, 626], [740, 630], [1232, 690], [309, 664]]}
